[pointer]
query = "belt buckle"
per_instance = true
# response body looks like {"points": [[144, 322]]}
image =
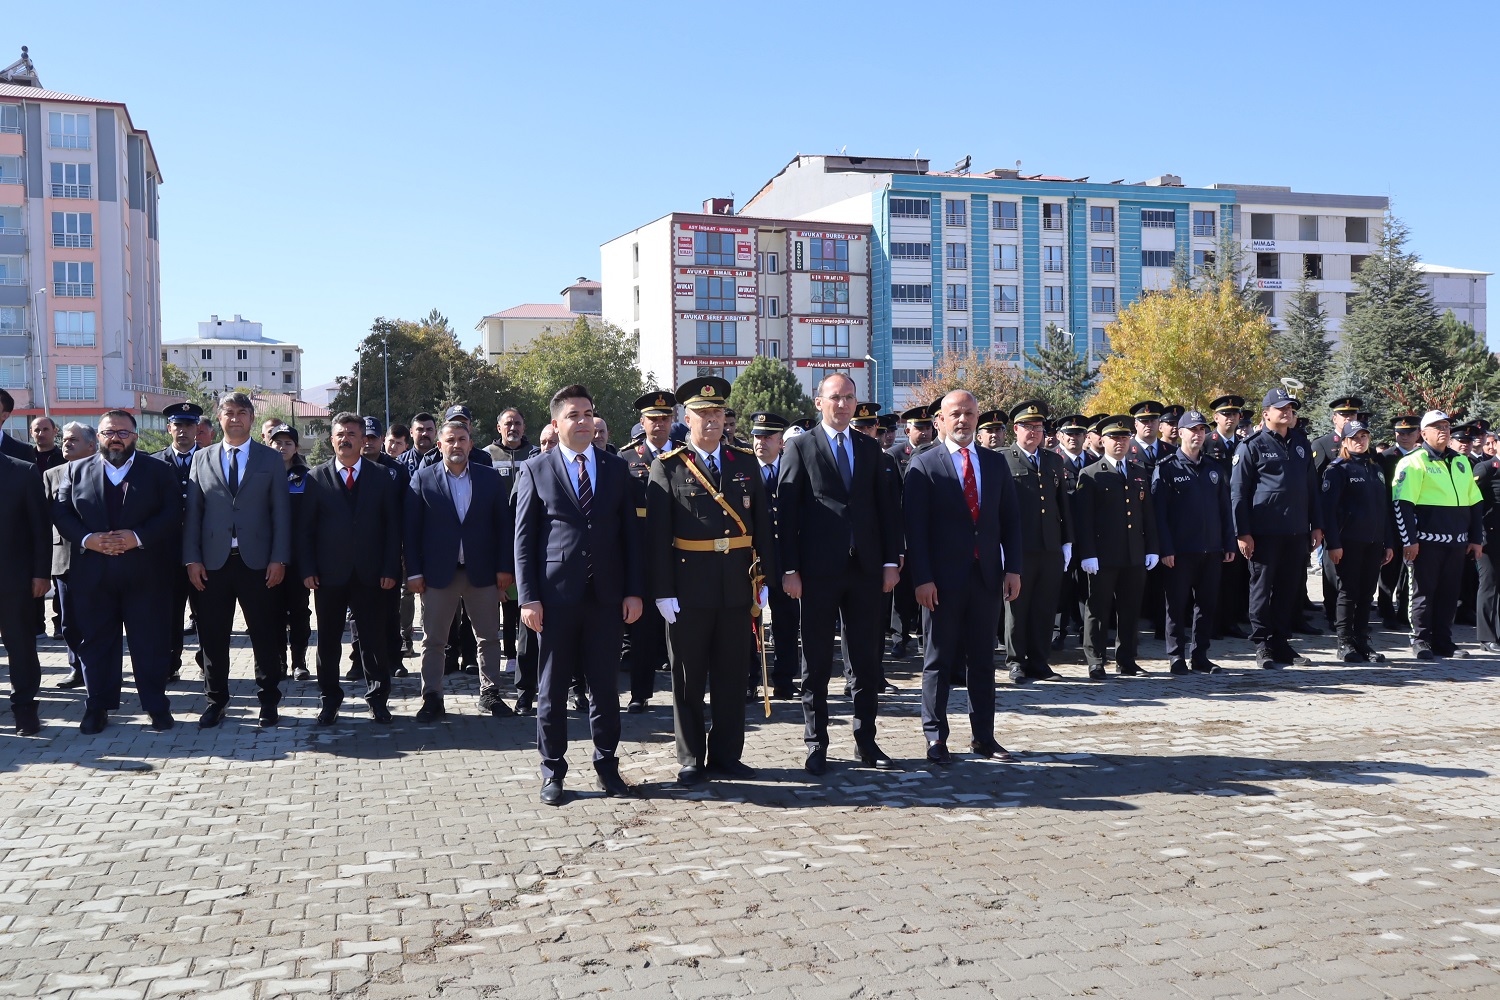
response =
{"points": [[721, 545]]}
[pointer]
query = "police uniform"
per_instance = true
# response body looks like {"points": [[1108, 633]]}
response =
{"points": [[785, 612], [702, 546], [1070, 593], [1234, 576], [1274, 495], [1194, 528], [904, 597], [1325, 448], [1154, 601], [1356, 524], [296, 599], [1468, 587], [646, 637], [1438, 509], [1487, 601], [1044, 496], [1395, 577], [183, 593]]}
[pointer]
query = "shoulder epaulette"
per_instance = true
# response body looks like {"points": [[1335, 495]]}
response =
{"points": [[742, 451], [673, 453]]}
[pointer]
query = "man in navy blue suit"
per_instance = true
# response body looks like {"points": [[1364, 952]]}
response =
{"points": [[963, 549], [459, 534], [122, 512], [579, 580]]}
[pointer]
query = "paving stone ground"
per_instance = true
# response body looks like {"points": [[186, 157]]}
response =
{"points": [[1325, 832]]}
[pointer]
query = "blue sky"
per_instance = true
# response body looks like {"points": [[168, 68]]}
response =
{"points": [[327, 163]]}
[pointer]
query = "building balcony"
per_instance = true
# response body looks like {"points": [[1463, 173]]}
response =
{"points": [[1157, 224], [1010, 223], [75, 241], [1053, 223], [1203, 230], [64, 140], [1102, 267], [72, 190], [1006, 306], [12, 281], [1102, 307], [73, 289], [1101, 227], [1052, 265], [1052, 307]]}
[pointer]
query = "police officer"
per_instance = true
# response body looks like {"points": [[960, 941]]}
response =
{"points": [[1116, 544], [991, 429], [919, 434], [1357, 537], [1395, 576], [1487, 601], [1439, 517], [1223, 439], [1274, 495], [1234, 582], [1043, 490], [182, 424], [295, 597], [1146, 449], [1072, 432], [647, 635], [1191, 495], [766, 430], [1325, 449]]}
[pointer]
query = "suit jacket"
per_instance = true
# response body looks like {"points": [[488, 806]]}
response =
{"points": [[1136, 455], [183, 473], [1043, 498], [1116, 517], [558, 548], [260, 515], [152, 508], [820, 522], [350, 536], [25, 534], [434, 532], [11, 448], [62, 549], [942, 537]]}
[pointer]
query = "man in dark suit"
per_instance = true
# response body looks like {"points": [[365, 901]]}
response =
{"points": [[1044, 490], [841, 531], [766, 431], [182, 424], [79, 441], [120, 515], [362, 655], [648, 634], [9, 446], [236, 542], [349, 552], [507, 452], [25, 562], [964, 549], [579, 579], [459, 549], [1115, 542]]}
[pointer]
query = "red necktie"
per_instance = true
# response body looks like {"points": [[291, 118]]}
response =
{"points": [[971, 491], [349, 477]]}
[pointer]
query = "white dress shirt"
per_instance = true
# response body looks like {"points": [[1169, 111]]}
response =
{"points": [[958, 464], [718, 454], [116, 475], [833, 443], [570, 459]]}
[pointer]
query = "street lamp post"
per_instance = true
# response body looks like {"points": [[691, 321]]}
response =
{"points": [[41, 351], [874, 377], [385, 349]]}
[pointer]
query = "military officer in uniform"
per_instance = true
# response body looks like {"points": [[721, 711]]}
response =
{"points": [[1043, 489], [1166, 427], [1222, 440], [1395, 577], [710, 544], [1115, 541], [766, 430], [866, 421], [182, 425], [991, 429], [1146, 449], [887, 425], [919, 434], [1072, 432], [647, 635]]}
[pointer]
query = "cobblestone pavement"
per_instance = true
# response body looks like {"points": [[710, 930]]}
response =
{"points": [[1326, 832]]}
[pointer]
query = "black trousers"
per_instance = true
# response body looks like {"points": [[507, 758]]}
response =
{"points": [[1029, 618], [1234, 593], [1358, 574], [369, 605], [105, 613], [1154, 600], [183, 595], [708, 652], [1070, 600], [528, 653], [462, 647], [1468, 594], [510, 624], [960, 638], [233, 583], [581, 638], [1487, 604], [1330, 574], [786, 619], [296, 603], [854, 595], [67, 619], [647, 652], [1278, 584], [1437, 575], [1395, 590], [1117, 590], [907, 608], [1193, 597], [389, 624], [18, 634]]}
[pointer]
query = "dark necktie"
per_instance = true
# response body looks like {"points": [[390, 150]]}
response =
{"points": [[713, 468], [585, 488], [234, 472], [1036, 462], [770, 475], [846, 470]]}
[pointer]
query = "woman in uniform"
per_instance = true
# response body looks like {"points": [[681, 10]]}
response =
{"points": [[1358, 536]]}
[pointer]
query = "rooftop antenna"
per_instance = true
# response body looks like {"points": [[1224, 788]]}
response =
{"points": [[843, 149]]}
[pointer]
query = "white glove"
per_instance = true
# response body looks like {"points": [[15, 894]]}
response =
{"points": [[1151, 560], [1089, 566], [1067, 555], [764, 597], [668, 607]]}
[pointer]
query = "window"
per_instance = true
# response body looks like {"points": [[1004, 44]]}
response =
{"points": [[1262, 226], [12, 319], [1159, 218], [10, 118], [12, 271], [773, 263], [1005, 257], [241, 355], [909, 376], [1268, 265], [1101, 220], [208, 376], [830, 341], [1203, 260], [1350, 301], [77, 382], [1356, 262], [769, 348], [1203, 223], [911, 251], [286, 357], [1007, 299], [958, 298], [1098, 341], [73, 329], [910, 208], [12, 373], [635, 260], [1312, 266], [1052, 299], [1102, 300], [958, 340], [1052, 259], [72, 279], [773, 306], [1307, 228], [286, 378], [1052, 216], [72, 180], [68, 131], [911, 293], [830, 255], [955, 212], [1161, 258], [1005, 215], [716, 337], [636, 306], [1102, 260], [830, 297], [704, 371], [72, 229], [911, 334], [1008, 341], [10, 170], [1356, 229], [242, 378], [956, 256], [206, 353], [714, 248], [1267, 302], [714, 294]]}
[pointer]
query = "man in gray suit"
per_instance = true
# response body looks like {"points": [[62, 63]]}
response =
{"points": [[236, 543], [78, 441]]}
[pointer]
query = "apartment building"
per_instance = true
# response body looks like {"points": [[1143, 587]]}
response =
{"points": [[510, 332], [235, 354]]}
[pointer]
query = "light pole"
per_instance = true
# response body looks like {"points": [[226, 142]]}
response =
{"points": [[874, 377], [41, 353], [385, 349], [359, 380]]}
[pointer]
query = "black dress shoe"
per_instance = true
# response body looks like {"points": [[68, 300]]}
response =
{"points": [[28, 722], [732, 769], [1097, 673], [817, 762], [990, 749], [790, 693], [269, 717], [73, 680], [691, 775], [1179, 667], [354, 674], [94, 721], [1289, 656], [873, 756], [1348, 654], [211, 717], [380, 713], [400, 671], [1490, 647], [1454, 653], [937, 753], [886, 687], [526, 704], [552, 792], [1207, 667], [636, 706], [612, 785], [432, 708], [326, 715], [162, 721], [1130, 670], [581, 703]]}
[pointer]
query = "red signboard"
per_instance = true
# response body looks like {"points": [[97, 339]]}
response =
{"points": [[744, 250], [684, 246], [710, 227], [718, 362], [718, 272], [818, 235], [829, 363]]}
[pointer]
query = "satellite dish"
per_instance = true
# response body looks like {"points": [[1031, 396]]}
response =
{"points": [[1292, 385]]}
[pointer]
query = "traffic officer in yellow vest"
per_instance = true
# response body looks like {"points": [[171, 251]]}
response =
{"points": [[1439, 519]]}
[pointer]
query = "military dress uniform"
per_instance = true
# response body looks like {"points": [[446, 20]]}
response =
{"points": [[785, 612], [1074, 587], [866, 417], [1146, 455], [1043, 498], [646, 637], [1234, 579]]}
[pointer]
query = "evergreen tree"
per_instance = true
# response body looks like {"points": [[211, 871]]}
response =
{"points": [[768, 384], [1306, 353], [1469, 361], [597, 355], [1058, 373]]}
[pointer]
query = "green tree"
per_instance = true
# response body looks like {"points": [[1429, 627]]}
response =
{"points": [[1058, 373], [1306, 354], [997, 384], [174, 377], [1467, 357], [597, 355], [768, 384]]}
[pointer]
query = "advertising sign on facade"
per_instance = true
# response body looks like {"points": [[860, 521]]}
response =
{"points": [[716, 361], [685, 247], [1269, 284], [683, 288], [744, 250], [1263, 246], [711, 227], [829, 363], [813, 234]]}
